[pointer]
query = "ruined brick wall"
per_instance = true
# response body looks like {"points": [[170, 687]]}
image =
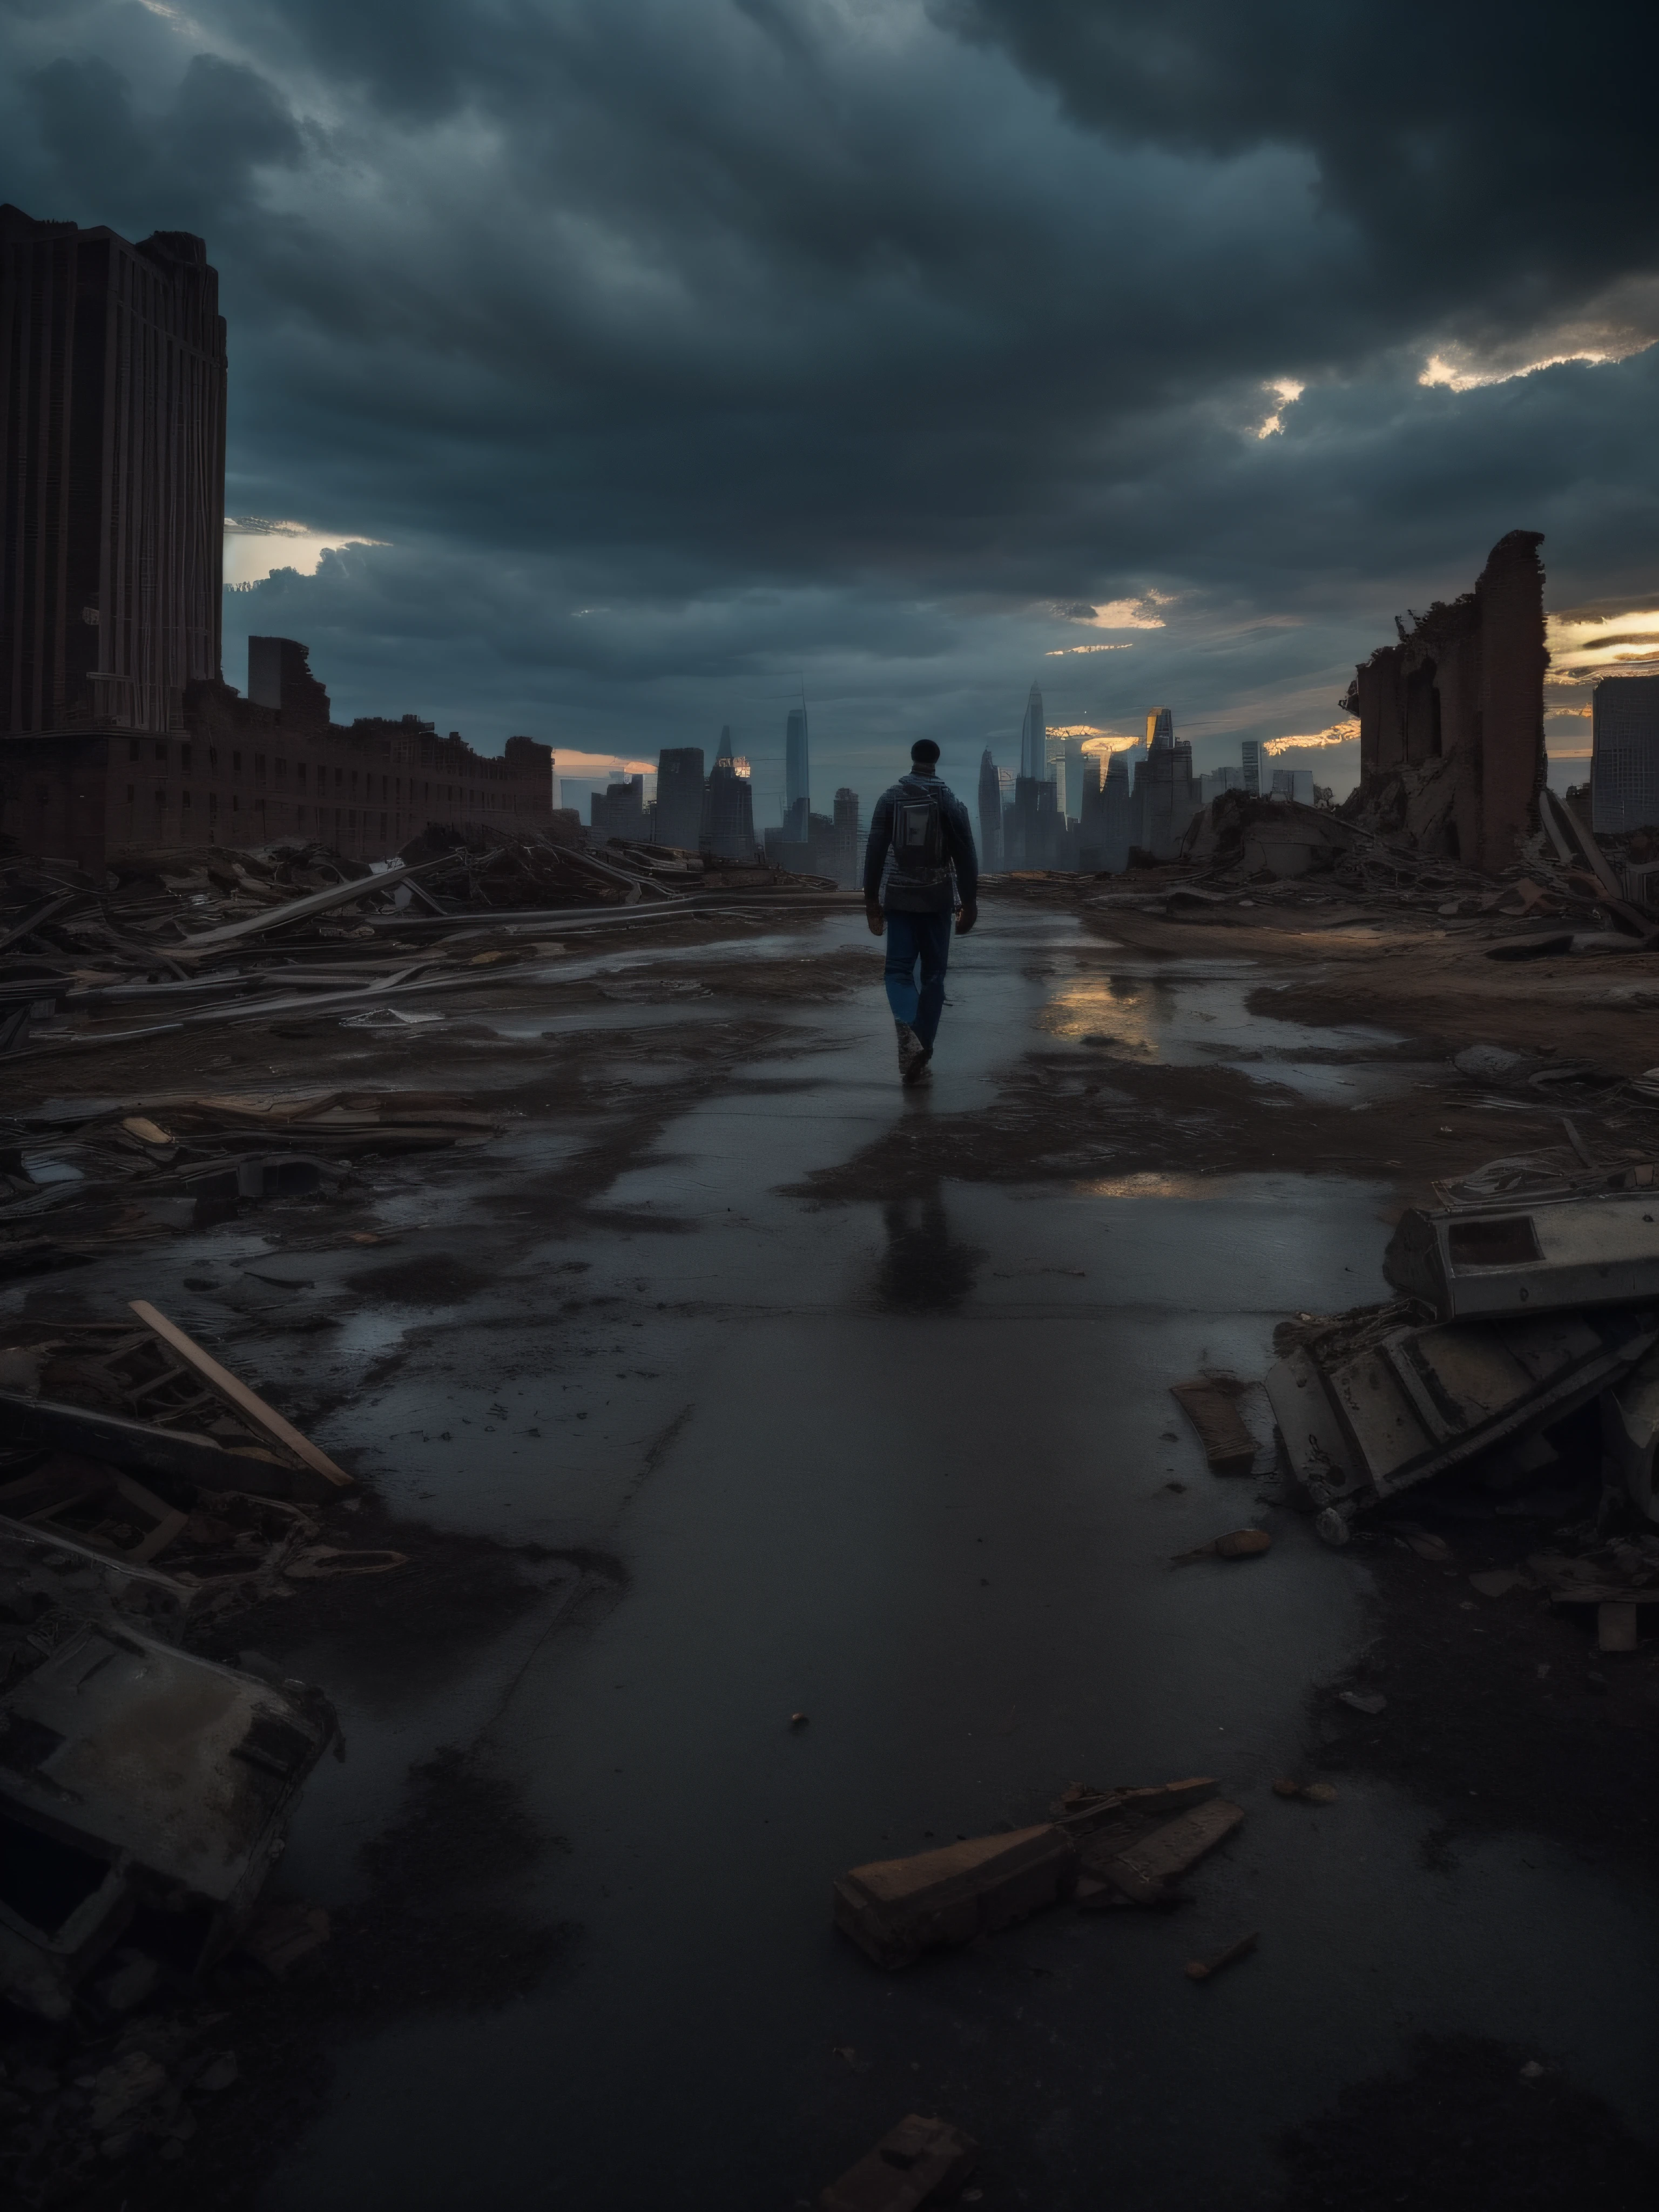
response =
{"points": [[1451, 716], [53, 798], [238, 773]]}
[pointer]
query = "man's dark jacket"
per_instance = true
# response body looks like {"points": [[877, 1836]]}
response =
{"points": [[929, 890]]}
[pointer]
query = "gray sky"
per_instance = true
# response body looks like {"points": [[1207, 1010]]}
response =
{"points": [[672, 353]]}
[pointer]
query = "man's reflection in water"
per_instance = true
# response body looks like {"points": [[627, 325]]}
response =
{"points": [[924, 1269]]}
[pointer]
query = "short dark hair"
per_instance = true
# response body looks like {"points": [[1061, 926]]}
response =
{"points": [[924, 750]]}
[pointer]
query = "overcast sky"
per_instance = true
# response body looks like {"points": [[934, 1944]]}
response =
{"points": [[646, 359]]}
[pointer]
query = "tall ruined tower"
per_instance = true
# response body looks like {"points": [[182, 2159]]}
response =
{"points": [[112, 477]]}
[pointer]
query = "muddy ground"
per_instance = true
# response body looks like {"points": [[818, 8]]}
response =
{"points": [[1502, 1723]]}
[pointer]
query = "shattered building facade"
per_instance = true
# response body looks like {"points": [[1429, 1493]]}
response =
{"points": [[1451, 716], [117, 729]]}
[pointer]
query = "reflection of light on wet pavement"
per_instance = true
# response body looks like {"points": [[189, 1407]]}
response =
{"points": [[1107, 1008], [1150, 1185]]}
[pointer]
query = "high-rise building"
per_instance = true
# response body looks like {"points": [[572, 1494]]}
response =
{"points": [[1091, 818], [1294, 783], [729, 821], [1164, 788], [680, 796], [619, 810], [797, 778], [112, 477], [990, 813], [849, 844], [1625, 753], [1033, 739], [1077, 768], [1250, 752], [1116, 808]]}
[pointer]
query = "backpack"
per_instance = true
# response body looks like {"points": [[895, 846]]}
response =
{"points": [[918, 836]]}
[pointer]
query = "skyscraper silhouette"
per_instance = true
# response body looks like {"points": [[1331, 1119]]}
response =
{"points": [[680, 796], [990, 813], [797, 778], [1033, 739], [731, 811]]}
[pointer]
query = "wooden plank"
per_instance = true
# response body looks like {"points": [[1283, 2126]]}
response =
{"points": [[244, 1400], [301, 909]]}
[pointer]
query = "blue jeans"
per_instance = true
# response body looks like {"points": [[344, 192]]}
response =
{"points": [[910, 937]]}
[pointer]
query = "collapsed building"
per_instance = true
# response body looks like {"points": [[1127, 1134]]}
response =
{"points": [[1451, 717]]}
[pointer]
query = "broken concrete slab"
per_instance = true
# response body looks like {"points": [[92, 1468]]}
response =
{"points": [[1617, 1625], [1141, 1871], [133, 1772], [1204, 1970], [1426, 1399], [1630, 1434], [921, 2161], [1210, 1404], [1547, 1257], [895, 1909], [1082, 1811], [42, 1569]]}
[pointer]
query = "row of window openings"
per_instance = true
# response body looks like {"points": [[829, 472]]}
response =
{"points": [[258, 807], [186, 755]]}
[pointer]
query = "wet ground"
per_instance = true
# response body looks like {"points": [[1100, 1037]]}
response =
{"points": [[732, 1383]]}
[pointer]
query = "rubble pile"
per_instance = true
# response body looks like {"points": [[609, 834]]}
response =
{"points": [[146, 1494], [77, 1178], [491, 869], [1529, 1294], [183, 939], [1568, 891]]}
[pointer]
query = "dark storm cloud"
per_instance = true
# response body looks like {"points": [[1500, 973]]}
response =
{"points": [[681, 345], [1496, 163]]}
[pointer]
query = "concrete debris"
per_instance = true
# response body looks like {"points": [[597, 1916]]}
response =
{"points": [[895, 1909], [1630, 1435], [1499, 1581], [134, 1773], [279, 1937], [1545, 1258], [171, 940], [1369, 1702], [1210, 1404], [1364, 1414], [921, 2161], [1237, 1544], [1137, 1858], [77, 1179], [1204, 1970], [1616, 1624], [1311, 1793]]}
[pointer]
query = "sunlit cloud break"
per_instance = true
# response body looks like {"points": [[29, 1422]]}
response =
{"points": [[1287, 392], [256, 547], [1339, 734], [1585, 648], [1059, 651]]}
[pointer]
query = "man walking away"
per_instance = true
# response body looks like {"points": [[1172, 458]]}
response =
{"points": [[918, 864]]}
